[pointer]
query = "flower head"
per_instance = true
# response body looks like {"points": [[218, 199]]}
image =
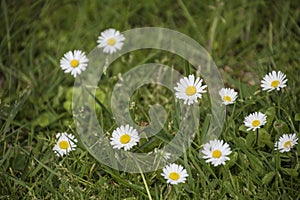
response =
{"points": [[111, 40], [255, 120], [65, 143], [74, 62], [124, 136], [216, 152], [174, 174], [162, 154], [286, 142], [228, 95], [189, 90], [274, 80]]}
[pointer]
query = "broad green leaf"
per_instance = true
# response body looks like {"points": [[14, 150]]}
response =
{"points": [[69, 94], [68, 106], [291, 172], [270, 117], [229, 188], [281, 127], [256, 164], [58, 97], [233, 159], [100, 95], [205, 126], [264, 138], [297, 117], [250, 139], [268, 178], [243, 128], [45, 119], [19, 160]]}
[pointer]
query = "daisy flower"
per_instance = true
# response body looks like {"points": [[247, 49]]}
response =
{"points": [[228, 95], [65, 143], [124, 136], [274, 80], [74, 62], [255, 120], [162, 154], [286, 142], [216, 152], [174, 174], [110, 40], [189, 90]]}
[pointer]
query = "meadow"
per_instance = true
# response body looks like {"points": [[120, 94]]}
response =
{"points": [[246, 40]]}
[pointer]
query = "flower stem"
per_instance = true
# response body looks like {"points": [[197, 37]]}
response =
{"points": [[278, 102], [256, 138], [294, 159], [98, 101], [143, 177], [145, 183]]}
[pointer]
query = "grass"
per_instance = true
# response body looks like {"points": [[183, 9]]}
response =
{"points": [[246, 39]]}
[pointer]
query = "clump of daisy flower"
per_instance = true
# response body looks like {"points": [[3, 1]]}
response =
{"points": [[286, 142], [228, 95], [216, 152], [189, 89], [255, 120], [174, 174], [65, 143], [110, 40], [74, 62], [124, 137], [274, 80]]}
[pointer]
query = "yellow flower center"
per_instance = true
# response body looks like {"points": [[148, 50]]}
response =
{"points": [[256, 123], [287, 144], [74, 63], [174, 176], [216, 153], [190, 90], [124, 139], [275, 83], [63, 144], [111, 41], [227, 98]]}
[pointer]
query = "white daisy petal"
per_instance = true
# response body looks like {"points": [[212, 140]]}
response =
{"points": [[162, 154], [65, 143], [255, 120], [189, 90], [228, 95], [273, 80], [110, 40], [74, 62], [124, 137], [286, 142], [215, 152], [174, 174]]}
